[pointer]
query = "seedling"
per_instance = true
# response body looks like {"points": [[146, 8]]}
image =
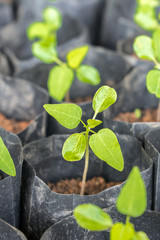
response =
{"points": [[138, 113], [146, 15], [149, 49], [6, 162], [60, 77], [104, 144], [131, 202]]}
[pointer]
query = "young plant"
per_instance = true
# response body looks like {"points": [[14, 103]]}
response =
{"points": [[146, 15], [61, 76], [149, 49], [131, 202], [104, 144], [6, 162]]}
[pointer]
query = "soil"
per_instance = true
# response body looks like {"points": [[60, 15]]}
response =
{"points": [[81, 100], [92, 186], [148, 115], [12, 125]]}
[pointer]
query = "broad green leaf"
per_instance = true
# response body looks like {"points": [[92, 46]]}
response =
{"points": [[156, 42], [122, 232], [106, 147], [88, 74], [151, 3], [103, 98], [143, 47], [76, 56], [153, 82], [146, 22], [6, 162], [132, 198], [59, 81], [140, 236], [74, 147], [67, 114], [92, 218], [92, 123], [52, 16], [37, 30], [44, 51]]}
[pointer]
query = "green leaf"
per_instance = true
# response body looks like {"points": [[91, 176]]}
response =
{"points": [[153, 82], [67, 114], [156, 41], [76, 56], [143, 47], [132, 198], [44, 51], [88, 74], [122, 232], [92, 218], [92, 123], [106, 147], [37, 30], [103, 98], [59, 81], [151, 3], [52, 16], [6, 162], [74, 147], [141, 236]]}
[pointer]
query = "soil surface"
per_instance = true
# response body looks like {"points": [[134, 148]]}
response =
{"points": [[80, 100], [148, 115], [12, 125], [92, 186]]}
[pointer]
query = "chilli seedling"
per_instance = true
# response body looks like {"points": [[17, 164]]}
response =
{"points": [[104, 144], [6, 162], [61, 76], [131, 202], [149, 49]]}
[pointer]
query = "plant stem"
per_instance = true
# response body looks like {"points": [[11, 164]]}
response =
{"points": [[127, 219], [58, 61], [67, 97], [158, 112], [86, 163]]}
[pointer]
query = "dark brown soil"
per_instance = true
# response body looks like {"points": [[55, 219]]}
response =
{"points": [[92, 186], [148, 115], [81, 100], [12, 125]]}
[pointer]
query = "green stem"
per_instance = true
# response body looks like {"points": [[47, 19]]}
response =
{"points": [[83, 124], [127, 219], [94, 116], [86, 163], [158, 112], [58, 61], [157, 64]]}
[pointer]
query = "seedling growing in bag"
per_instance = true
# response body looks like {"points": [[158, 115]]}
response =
{"points": [[131, 202], [61, 76], [6, 162], [104, 144], [149, 49], [146, 15]]}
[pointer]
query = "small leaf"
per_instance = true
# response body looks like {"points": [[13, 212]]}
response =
{"points": [[122, 232], [37, 30], [156, 41], [52, 16], [153, 82], [44, 51], [103, 98], [151, 3], [92, 123], [141, 236], [6, 162], [59, 81], [143, 47], [67, 114], [88, 74], [106, 147], [132, 198], [76, 56], [92, 218], [74, 147]]}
